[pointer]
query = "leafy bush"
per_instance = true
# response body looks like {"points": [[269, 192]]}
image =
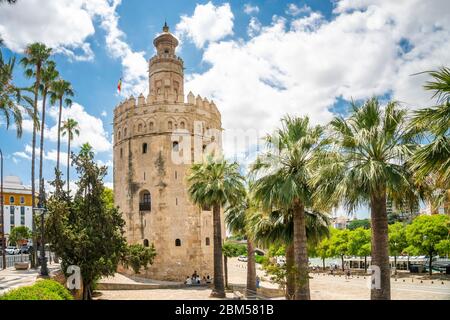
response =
{"points": [[261, 259], [54, 286], [138, 256], [41, 290]]}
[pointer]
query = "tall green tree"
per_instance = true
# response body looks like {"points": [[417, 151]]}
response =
{"points": [[216, 183], [49, 75], [237, 220], [231, 250], [11, 96], [86, 231], [70, 128], [61, 92], [397, 240], [284, 181], [339, 242], [19, 234], [277, 227], [359, 244], [36, 55], [431, 162], [323, 250], [428, 235], [365, 163]]}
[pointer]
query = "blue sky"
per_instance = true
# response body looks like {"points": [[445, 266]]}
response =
{"points": [[258, 60]]}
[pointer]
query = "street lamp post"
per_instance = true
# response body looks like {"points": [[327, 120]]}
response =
{"points": [[2, 221], [41, 210]]}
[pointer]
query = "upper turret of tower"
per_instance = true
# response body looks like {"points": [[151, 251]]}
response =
{"points": [[165, 43], [166, 71]]}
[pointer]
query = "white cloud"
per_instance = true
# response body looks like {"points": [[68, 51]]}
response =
{"points": [[209, 23], [250, 9], [302, 65], [294, 10], [23, 155], [254, 27], [63, 25], [48, 155], [91, 128], [104, 114], [135, 77]]}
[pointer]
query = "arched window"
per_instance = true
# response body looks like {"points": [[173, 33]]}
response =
{"points": [[182, 125], [125, 132], [177, 243], [140, 127], [151, 126], [169, 125], [207, 241], [145, 201], [119, 136], [144, 148], [11, 199], [175, 146], [146, 244], [22, 200], [121, 153]]}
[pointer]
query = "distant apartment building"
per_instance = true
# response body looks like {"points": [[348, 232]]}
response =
{"points": [[17, 209]]}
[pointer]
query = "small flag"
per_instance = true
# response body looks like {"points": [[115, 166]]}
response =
{"points": [[119, 85]]}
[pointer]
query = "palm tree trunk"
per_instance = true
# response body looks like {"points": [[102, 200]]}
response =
{"points": [[430, 264], [342, 262], [225, 268], [300, 254], [33, 158], [365, 264], [380, 253], [251, 269], [218, 290], [323, 264], [41, 145], [395, 264], [68, 162], [59, 134], [290, 275]]}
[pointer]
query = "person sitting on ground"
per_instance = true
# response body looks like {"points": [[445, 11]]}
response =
{"points": [[197, 280], [208, 279], [203, 280], [188, 281]]}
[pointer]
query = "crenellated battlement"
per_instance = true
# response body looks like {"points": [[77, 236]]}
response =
{"points": [[141, 102]]}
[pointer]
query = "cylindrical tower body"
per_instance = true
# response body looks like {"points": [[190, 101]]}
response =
{"points": [[154, 143]]}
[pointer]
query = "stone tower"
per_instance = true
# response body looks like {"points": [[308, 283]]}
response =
{"points": [[155, 143]]}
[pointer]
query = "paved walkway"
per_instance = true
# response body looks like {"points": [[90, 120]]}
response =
{"points": [[323, 287], [11, 278]]}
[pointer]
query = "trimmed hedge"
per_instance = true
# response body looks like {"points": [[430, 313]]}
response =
{"points": [[41, 290]]}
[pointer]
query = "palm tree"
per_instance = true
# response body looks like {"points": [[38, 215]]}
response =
{"points": [[277, 227], [49, 74], [10, 96], [433, 159], [36, 55], [60, 89], [366, 163], [216, 183], [284, 183], [236, 219], [70, 127]]}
